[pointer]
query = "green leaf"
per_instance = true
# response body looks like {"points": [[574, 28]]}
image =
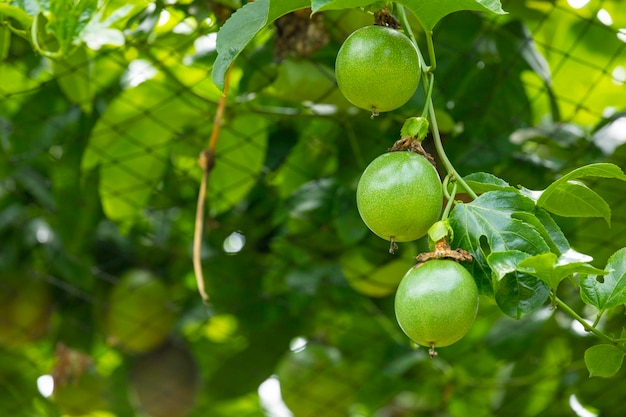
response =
{"points": [[321, 5], [427, 12], [66, 19], [130, 143], [99, 31], [239, 157], [415, 127], [242, 26], [552, 269], [309, 159], [5, 42], [16, 13], [608, 291], [555, 238], [516, 293], [482, 182], [430, 12], [569, 198], [503, 263], [490, 217], [74, 75], [575, 199], [603, 360]]}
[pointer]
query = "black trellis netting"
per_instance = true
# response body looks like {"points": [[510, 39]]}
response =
{"points": [[99, 179]]}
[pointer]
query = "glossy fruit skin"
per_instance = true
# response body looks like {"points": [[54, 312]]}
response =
{"points": [[399, 196], [138, 317], [377, 68], [436, 303]]}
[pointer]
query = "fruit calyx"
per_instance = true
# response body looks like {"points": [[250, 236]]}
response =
{"points": [[408, 143], [383, 17], [442, 250]]}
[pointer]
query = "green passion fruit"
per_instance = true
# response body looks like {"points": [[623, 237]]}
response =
{"points": [[25, 310], [399, 196], [139, 317], [436, 303], [377, 68]]}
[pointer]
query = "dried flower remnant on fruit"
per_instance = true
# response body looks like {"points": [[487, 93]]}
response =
{"points": [[383, 17], [407, 143], [442, 250]]}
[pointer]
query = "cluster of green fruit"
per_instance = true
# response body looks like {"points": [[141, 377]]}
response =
{"points": [[137, 321], [400, 194]]}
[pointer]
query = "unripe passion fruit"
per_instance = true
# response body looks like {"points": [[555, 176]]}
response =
{"points": [[399, 196], [25, 307], [436, 303], [139, 318], [377, 68]]}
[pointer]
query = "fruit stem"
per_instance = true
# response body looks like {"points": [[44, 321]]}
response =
{"points": [[431, 50], [446, 211], [598, 317], [428, 81], [442, 154], [588, 327], [429, 94], [407, 27]]}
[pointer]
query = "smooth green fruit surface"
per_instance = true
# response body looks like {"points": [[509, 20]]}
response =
{"points": [[436, 304], [399, 196], [377, 68], [139, 317]]}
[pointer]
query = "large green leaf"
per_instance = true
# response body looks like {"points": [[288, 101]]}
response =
{"points": [[610, 290], [552, 270], [482, 182], [17, 13], [242, 26], [239, 158], [491, 218], [130, 143], [603, 360], [569, 198], [515, 292], [74, 74], [427, 12]]}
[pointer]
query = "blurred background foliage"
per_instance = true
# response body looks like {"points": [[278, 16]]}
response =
{"points": [[104, 109]]}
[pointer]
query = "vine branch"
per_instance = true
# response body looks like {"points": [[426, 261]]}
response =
{"points": [[428, 81], [588, 327], [206, 161]]}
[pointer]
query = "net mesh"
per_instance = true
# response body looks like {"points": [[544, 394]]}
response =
{"points": [[100, 177]]}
